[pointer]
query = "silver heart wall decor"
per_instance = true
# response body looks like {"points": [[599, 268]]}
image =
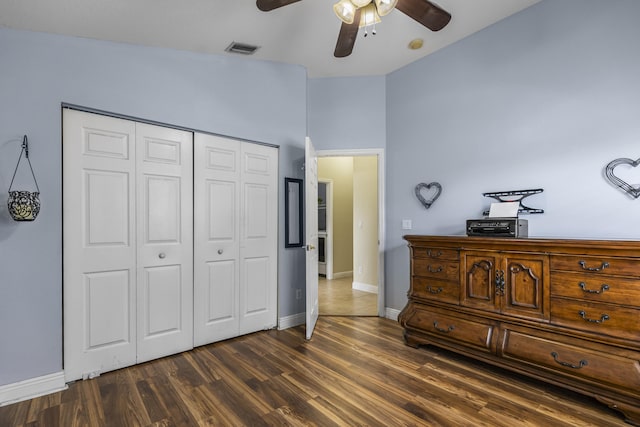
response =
{"points": [[427, 202], [631, 190]]}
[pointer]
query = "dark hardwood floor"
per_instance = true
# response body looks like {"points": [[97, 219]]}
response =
{"points": [[356, 371]]}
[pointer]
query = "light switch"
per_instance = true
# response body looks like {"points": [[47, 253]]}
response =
{"points": [[406, 224]]}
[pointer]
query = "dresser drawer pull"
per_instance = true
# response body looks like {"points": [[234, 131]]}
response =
{"points": [[434, 291], [601, 320], [444, 331], [434, 270], [583, 264], [603, 288], [581, 364], [431, 254]]}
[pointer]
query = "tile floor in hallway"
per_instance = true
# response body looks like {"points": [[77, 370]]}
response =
{"points": [[337, 298]]}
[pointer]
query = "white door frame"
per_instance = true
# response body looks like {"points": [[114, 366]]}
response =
{"points": [[379, 152]]}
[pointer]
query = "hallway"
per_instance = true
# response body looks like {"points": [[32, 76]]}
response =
{"points": [[337, 298]]}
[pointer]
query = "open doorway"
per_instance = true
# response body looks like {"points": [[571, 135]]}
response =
{"points": [[350, 197]]}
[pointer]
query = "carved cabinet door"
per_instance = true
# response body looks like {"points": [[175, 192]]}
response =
{"points": [[479, 280], [509, 283], [522, 292]]}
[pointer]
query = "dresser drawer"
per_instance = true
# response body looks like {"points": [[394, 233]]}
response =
{"points": [[434, 289], [605, 319], [595, 366], [444, 270], [596, 265], [435, 253], [446, 327], [596, 288]]}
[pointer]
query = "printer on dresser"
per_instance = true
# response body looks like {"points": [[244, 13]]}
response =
{"points": [[562, 311]]}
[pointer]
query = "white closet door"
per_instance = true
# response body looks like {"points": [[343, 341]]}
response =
{"points": [[165, 241], [216, 241], [99, 244], [258, 238]]}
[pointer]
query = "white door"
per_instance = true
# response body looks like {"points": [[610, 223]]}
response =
{"points": [[127, 243], [216, 242], [236, 220], [99, 245], [165, 241], [258, 307], [311, 234]]}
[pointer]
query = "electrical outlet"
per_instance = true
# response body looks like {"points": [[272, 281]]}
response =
{"points": [[298, 293], [406, 224]]}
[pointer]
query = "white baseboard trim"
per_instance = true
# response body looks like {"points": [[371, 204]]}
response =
{"points": [[291, 321], [365, 287], [342, 274], [391, 313], [34, 387]]}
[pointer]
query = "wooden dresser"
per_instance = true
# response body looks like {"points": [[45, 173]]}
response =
{"points": [[562, 311]]}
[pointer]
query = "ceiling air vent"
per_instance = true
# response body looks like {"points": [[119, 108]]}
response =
{"points": [[243, 48]]}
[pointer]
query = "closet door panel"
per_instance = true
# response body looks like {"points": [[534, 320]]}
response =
{"points": [[107, 314], [99, 299], [163, 206], [255, 293], [258, 246], [161, 294], [222, 297], [106, 208], [216, 207], [165, 241]]}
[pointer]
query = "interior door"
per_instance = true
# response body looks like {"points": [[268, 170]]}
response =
{"points": [[311, 234], [217, 243], [165, 241], [258, 308], [99, 244]]}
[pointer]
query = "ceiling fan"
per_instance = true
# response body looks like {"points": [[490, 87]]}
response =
{"points": [[358, 13]]}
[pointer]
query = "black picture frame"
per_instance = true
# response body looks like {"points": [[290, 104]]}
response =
{"points": [[293, 213]]}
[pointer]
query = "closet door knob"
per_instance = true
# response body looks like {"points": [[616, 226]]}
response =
{"points": [[161, 255], [220, 251]]}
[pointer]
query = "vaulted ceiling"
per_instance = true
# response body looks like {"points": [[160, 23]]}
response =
{"points": [[303, 33]]}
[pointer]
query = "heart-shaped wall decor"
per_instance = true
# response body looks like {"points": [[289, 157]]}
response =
{"points": [[432, 195], [631, 190]]}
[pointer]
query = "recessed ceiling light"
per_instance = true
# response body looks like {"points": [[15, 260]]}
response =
{"points": [[416, 44]]}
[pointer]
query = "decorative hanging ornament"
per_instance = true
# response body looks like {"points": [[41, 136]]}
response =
{"points": [[24, 205]]}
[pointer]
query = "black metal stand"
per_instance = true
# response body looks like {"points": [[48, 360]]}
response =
{"points": [[516, 196]]}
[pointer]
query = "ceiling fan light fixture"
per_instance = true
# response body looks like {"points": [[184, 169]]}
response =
{"points": [[385, 6], [369, 16], [345, 11], [360, 3]]}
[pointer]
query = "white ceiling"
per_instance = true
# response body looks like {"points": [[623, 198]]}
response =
{"points": [[301, 33]]}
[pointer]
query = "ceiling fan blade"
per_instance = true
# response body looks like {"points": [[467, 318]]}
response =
{"points": [[347, 37], [267, 5], [428, 14]]}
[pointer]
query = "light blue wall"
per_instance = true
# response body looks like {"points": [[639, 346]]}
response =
{"points": [[544, 99], [247, 99], [347, 113]]}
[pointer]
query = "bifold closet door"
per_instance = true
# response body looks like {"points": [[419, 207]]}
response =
{"points": [[165, 241], [258, 238], [99, 244], [216, 243], [127, 244], [235, 217]]}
